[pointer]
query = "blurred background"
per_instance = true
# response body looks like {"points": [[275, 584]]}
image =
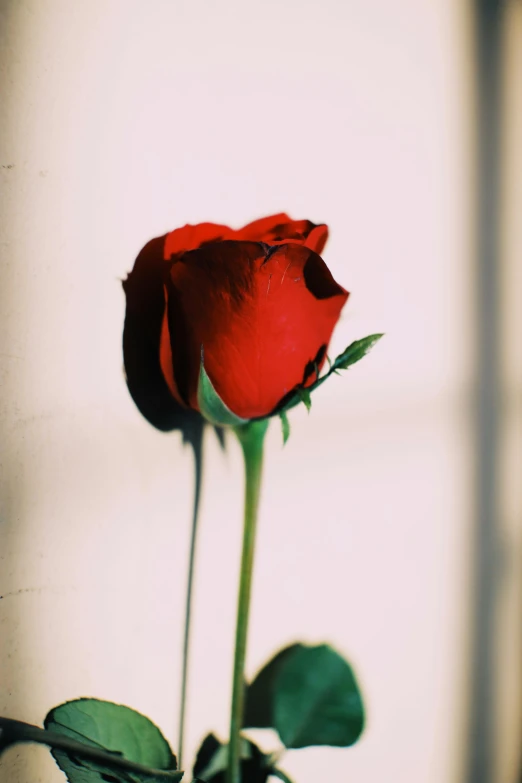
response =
{"points": [[390, 522]]}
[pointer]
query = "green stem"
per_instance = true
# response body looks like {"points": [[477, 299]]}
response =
{"points": [[251, 437], [197, 445]]}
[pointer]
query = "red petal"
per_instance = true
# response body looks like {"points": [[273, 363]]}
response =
{"points": [[316, 239], [261, 317], [191, 237], [280, 229], [165, 355], [141, 340], [258, 229]]}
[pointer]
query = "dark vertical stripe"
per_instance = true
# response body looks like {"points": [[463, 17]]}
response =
{"points": [[488, 77]]}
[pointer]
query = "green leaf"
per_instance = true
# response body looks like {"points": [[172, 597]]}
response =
{"points": [[212, 759], [209, 748], [309, 695], [285, 425], [259, 696], [116, 729], [210, 404], [355, 352]]}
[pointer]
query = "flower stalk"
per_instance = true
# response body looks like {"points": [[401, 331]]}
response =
{"points": [[251, 437], [197, 445]]}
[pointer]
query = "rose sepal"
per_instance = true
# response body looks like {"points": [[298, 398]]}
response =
{"points": [[354, 353], [210, 404], [217, 412]]}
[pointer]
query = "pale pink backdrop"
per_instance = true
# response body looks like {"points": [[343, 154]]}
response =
{"points": [[122, 120]]}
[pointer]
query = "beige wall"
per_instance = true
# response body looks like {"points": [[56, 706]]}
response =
{"points": [[121, 120]]}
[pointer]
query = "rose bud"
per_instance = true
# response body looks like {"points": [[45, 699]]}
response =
{"points": [[257, 306]]}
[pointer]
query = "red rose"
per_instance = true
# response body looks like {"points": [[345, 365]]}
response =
{"points": [[259, 302]]}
